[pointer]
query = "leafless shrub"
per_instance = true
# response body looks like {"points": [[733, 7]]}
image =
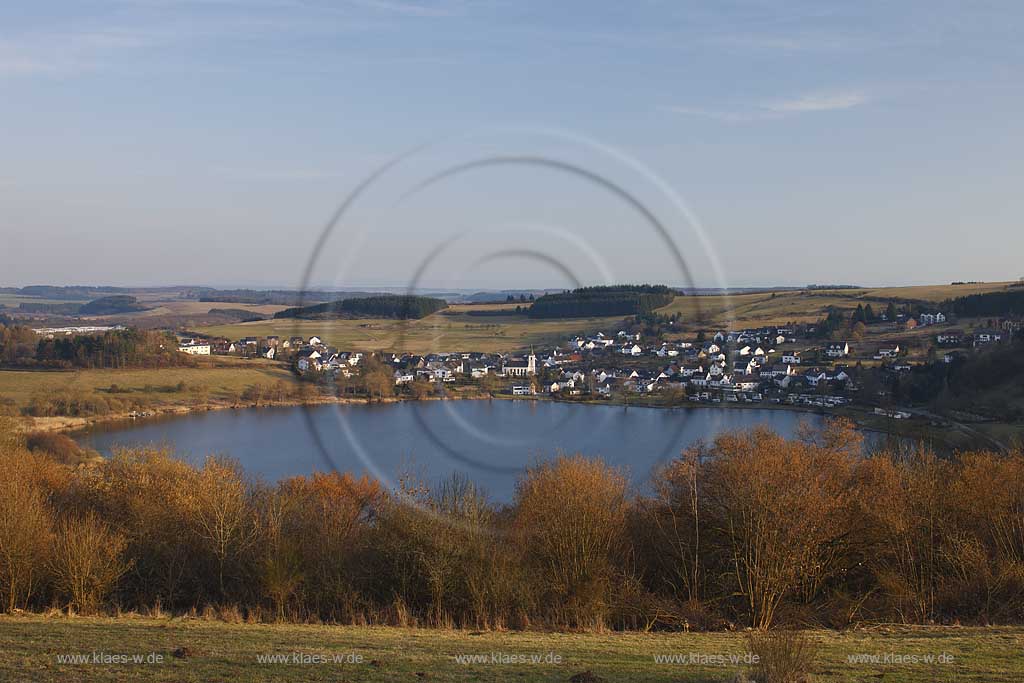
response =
{"points": [[783, 656], [570, 518], [87, 561], [26, 531]]}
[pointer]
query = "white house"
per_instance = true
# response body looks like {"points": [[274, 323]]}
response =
{"points": [[815, 376], [931, 318], [194, 348], [839, 375], [888, 352], [745, 383], [837, 350], [982, 337], [777, 370], [563, 384], [690, 370], [792, 357]]}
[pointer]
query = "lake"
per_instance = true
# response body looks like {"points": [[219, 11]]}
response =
{"points": [[490, 441]]}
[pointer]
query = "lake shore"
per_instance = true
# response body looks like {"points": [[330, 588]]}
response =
{"points": [[950, 437]]}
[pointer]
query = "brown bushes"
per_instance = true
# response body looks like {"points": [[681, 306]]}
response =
{"points": [[60, 447], [86, 560], [570, 516], [25, 537], [751, 529], [761, 530], [442, 560]]}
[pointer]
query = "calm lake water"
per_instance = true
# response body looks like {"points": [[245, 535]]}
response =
{"points": [[490, 441]]}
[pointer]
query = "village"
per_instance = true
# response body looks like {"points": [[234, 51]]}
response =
{"points": [[783, 365]]}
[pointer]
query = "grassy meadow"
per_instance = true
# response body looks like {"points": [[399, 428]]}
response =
{"points": [[220, 380], [450, 329], [217, 651]]}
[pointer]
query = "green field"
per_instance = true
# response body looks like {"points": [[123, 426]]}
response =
{"points": [[215, 651]]}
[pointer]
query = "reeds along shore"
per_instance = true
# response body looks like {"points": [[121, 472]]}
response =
{"points": [[750, 530]]}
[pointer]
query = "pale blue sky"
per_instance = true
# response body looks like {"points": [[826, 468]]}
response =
{"points": [[159, 142]]}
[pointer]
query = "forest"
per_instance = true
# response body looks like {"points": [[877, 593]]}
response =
{"points": [[130, 348], [399, 306], [995, 304], [588, 302]]}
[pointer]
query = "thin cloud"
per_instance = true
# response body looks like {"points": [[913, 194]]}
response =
{"points": [[818, 102], [65, 53], [776, 109]]}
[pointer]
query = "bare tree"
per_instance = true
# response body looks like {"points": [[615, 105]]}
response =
{"points": [[26, 530], [87, 560], [222, 516]]}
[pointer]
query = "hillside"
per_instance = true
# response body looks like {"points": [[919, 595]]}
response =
{"points": [[393, 306], [461, 326], [112, 305], [808, 305]]}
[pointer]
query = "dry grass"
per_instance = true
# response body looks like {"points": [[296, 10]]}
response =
{"points": [[13, 300], [935, 292], [222, 381], [804, 306], [203, 307], [216, 651], [451, 329]]}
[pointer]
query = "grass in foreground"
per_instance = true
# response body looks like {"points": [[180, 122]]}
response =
{"points": [[216, 651]]}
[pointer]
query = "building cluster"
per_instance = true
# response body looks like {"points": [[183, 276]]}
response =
{"points": [[272, 347], [773, 364], [740, 366], [451, 367]]}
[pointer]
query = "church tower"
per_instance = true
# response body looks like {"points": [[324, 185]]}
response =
{"points": [[531, 363]]}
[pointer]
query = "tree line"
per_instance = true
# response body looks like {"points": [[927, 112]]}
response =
{"points": [[602, 301], [997, 304], [400, 306], [21, 346], [749, 530]]}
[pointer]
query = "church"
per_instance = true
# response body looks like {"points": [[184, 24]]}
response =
{"points": [[521, 368]]}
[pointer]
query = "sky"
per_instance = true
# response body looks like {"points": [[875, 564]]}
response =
{"points": [[501, 144]]}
